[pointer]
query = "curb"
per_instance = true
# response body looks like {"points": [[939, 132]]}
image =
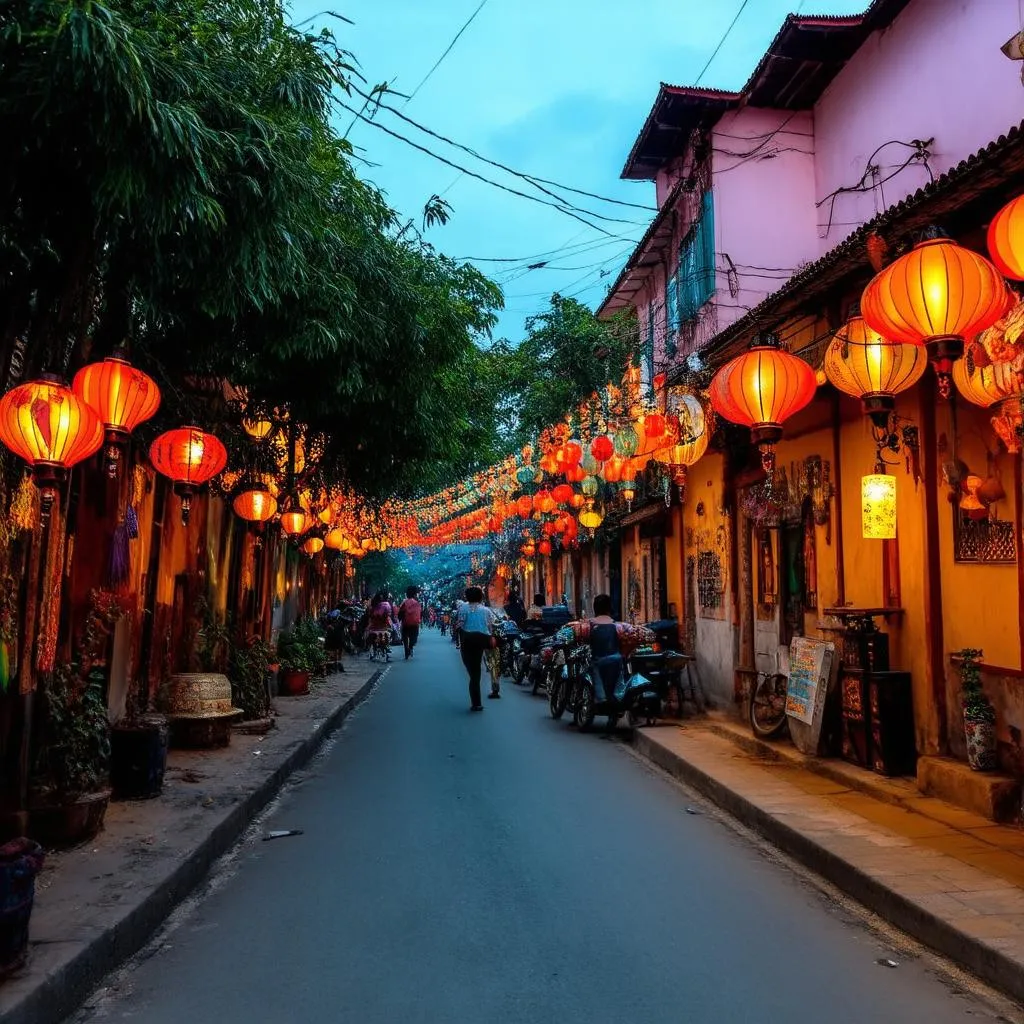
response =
{"points": [[986, 962], [62, 992]]}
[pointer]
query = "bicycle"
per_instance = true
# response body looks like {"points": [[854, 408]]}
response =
{"points": [[766, 708]]}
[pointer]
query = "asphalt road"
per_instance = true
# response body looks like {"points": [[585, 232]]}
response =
{"points": [[498, 867]]}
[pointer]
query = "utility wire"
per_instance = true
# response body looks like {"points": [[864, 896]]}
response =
{"points": [[721, 42], [533, 179], [448, 49], [561, 207]]}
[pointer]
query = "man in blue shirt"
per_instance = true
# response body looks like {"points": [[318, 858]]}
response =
{"points": [[474, 623]]}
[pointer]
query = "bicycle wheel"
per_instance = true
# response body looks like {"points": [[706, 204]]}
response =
{"points": [[767, 707]]}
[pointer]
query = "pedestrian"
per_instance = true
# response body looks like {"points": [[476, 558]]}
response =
{"points": [[515, 609], [410, 613], [536, 610], [492, 658], [473, 625]]}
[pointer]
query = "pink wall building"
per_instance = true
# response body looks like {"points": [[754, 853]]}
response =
{"points": [[842, 118]]}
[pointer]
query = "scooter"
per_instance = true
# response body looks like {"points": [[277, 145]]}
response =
{"points": [[648, 685]]}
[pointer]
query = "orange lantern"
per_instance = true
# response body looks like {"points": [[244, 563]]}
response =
{"points": [[190, 457], [572, 452], [313, 545], [986, 385], [51, 428], [936, 295], [761, 389], [294, 518], [529, 549], [542, 501], [122, 396], [544, 547], [562, 494], [654, 429], [863, 364], [255, 504], [602, 448], [578, 500], [524, 506], [337, 540], [549, 463], [612, 472], [1006, 239]]}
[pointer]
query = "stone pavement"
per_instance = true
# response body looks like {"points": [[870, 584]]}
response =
{"points": [[100, 902], [947, 877]]}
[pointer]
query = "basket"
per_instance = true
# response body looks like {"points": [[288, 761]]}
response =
{"points": [[20, 862]]}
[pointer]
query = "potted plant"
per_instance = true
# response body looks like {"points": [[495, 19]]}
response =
{"points": [[250, 661], [979, 715], [314, 640], [69, 792], [293, 679]]}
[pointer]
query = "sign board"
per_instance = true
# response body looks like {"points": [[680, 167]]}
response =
{"points": [[810, 669]]}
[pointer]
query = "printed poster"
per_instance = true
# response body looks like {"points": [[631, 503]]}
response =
{"points": [[810, 665]]}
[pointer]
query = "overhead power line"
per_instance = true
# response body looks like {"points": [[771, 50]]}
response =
{"points": [[533, 179], [562, 207], [448, 49], [721, 42]]}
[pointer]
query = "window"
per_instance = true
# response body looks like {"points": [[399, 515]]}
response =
{"points": [[649, 346], [695, 278]]}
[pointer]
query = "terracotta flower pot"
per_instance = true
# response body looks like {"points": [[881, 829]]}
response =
{"points": [[981, 745], [293, 682]]}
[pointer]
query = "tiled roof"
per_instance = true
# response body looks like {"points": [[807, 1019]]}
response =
{"points": [[963, 198], [799, 64]]}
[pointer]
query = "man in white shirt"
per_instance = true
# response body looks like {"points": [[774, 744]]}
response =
{"points": [[474, 622]]}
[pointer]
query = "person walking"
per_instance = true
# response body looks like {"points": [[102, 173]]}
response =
{"points": [[473, 625], [410, 614], [515, 609]]}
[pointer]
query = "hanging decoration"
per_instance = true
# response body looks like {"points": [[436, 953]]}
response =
{"points": [[1006, 239], [937, 295], [51, 428], [878, 506], [761, 389], [122, 396], [190, 458]]}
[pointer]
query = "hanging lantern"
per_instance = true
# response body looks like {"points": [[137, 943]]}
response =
{"points": [[313, 545], [589, 486], [602, 448], [936, 295], [574, 474], [255, 504], [337, 540], [529, 549], [543, 502], [654, 425], [571, 452], [258, 427], [524, 506], [1006, 239], [589, 464], [578, 500], [986, 385], [863, 364], [628, 489], [591, 518], [613, 468], [190, 457], [544, 547], [1008, 423], [548, 463], [51, 428], [525, 475], [761, 389], [878, 506], [626, 442], [562, 494], [970, 502], [122, 396], [294, 518]]}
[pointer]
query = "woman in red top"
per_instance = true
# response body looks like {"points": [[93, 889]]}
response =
{"points": [[410, 614]]}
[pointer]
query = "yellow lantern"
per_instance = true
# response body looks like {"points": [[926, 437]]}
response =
{"points": [[258, 428], [878, 506], [337, 540], [591, 518], [313, 545]]}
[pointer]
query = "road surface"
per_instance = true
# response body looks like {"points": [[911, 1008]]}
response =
{"points": [[499, 867]]}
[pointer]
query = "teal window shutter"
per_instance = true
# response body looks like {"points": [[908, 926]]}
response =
{"points": [[672, 311], [696, 284], [649, 346]]}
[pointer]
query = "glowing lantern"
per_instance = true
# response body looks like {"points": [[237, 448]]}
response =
{"points": [[122, 397], [337, 540], [589, 464], [294, 517], [572, 452], [524, 506], [548, 463], [936, 295], [863, 364], [654, 428], [562, 494], [602, 448], [525, 475], [761, 389], [313, 545], [255, 504], [529, 549], [970, 502], [590, 518], [544, 547], [543, 502], [578, 501], [51, 428], [575, 474], [985, 385], [589, 486], [527, 452], [878, 506], [613, 468], [190, 458], [258, 427], [626, 442], [1006, 239]]}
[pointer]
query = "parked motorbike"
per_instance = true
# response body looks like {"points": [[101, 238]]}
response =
{"points": [[526, 647], [648, 687], [562, 685], [507, 633]]}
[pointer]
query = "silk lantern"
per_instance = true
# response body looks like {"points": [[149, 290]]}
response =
{"points": [[190, 457], [878, 506], [1006, 239]]}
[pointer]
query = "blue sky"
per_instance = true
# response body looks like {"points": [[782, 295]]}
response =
{"points": [[554, 88]]}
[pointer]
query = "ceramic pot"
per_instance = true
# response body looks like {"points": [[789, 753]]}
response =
{"points": [[293, 682], [981, 745]]}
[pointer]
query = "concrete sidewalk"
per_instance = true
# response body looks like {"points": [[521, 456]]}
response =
{"points": [[949, 878], [100, 902]]}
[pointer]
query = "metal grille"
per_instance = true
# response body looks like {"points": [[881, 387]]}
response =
{"points": [[984, 540], [709, 580]]}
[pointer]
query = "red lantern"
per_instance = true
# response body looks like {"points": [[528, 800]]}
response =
{"points": [[602, 448], [544, 547], [761, 389], [613, 469], [574, 474], [524, 506], [572, 452], [577, 500], [255, 504], [1006, 239], [562, 494], [51, 428], [654, 429], [190, 458], [121, 395]]}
